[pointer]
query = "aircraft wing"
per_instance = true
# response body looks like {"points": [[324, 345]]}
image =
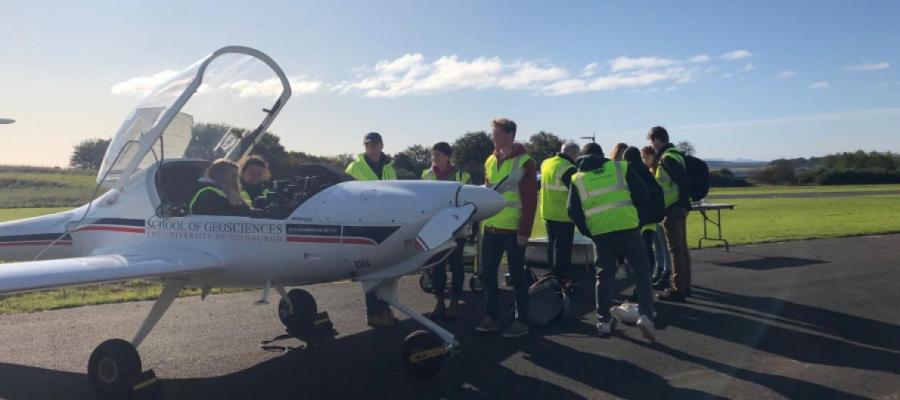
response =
{"points": [[45, 274]]}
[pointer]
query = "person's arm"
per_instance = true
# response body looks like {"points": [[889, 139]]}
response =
{"points": [[680, 177], [567, 176], [528, 196], [576, 213], [639, 194], [209, 203]]}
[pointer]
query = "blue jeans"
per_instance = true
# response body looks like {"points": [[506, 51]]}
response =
{"points": [[661, 247], [493, 245]]}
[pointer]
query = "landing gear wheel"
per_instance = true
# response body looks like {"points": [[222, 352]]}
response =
{"points": [[113, 367], [305, 310], [476, 284], [426, 281], [423, 354]]}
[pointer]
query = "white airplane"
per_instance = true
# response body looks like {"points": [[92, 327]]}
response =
{"points": [[322, 231]]}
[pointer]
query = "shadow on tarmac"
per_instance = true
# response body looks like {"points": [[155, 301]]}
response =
{"points": [[368, 365]]}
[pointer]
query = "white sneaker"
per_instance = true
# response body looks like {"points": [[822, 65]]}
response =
{"points": [[647, 328], [606, 328], [626, 313]]}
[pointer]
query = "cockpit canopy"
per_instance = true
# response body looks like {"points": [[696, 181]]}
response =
{"points": [[218, 107]]}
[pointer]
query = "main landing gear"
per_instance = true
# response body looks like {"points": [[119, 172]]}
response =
{"points": [[114, 369]]}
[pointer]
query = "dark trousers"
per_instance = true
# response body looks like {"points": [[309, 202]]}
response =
{"points": [[559, 247], [439, 273], [608, 246], [374, 305], [493, 245], [675, 225], [650, 237]]}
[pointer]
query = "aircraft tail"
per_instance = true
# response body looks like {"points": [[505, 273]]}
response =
{"points": [[24, 239]]}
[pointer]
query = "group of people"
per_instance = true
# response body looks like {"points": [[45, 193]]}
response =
{"points": [[619, 201]]}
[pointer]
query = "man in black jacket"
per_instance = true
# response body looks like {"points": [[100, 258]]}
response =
{"points": [[613, 234], [672, 175]]}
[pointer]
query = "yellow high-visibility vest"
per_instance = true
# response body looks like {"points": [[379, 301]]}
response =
{"points": [[459, 176], [361, 171], [669, 187], [504, 177], [554, 193], [606, 199]]}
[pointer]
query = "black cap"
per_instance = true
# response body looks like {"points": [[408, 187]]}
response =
{"points": [[443, 147], [372, 137]]}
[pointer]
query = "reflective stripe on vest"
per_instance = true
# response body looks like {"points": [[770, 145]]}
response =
{"points": [[459, 176], [606, 199], [361, 171], [504, 179], [203, 190], [246, 196], [670, 188], [554, 194]]}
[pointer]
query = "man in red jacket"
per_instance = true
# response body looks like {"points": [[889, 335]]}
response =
{"points": [[513, 174]]}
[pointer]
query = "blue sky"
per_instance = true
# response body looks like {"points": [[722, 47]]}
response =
{"points": [[757, 80]]}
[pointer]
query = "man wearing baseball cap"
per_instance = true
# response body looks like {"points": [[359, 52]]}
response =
{"points": [[374, 165]]}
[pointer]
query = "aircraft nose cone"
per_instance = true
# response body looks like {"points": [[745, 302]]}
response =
{"points": [[487, 201]]}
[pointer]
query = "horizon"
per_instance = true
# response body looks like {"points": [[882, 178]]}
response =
{"points": [[806, 79]]}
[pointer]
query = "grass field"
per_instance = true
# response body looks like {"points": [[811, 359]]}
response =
{"points": [[752, 221], [772, 220], [771, 189], [43, 189]]}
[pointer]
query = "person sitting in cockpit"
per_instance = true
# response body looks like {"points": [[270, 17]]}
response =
{"points": [[220, 192], [254, 176]]}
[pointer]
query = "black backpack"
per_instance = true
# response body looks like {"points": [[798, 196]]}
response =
{"points": [[699, 173], [547, 301]]}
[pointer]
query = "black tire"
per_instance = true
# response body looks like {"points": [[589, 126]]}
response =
{"points": [[113, 368], [305, 310], [423, 354], [426, 280], [476, 284]]}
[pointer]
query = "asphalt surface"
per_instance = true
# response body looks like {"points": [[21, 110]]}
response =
{"points": [[807, 195], [810, 319]]}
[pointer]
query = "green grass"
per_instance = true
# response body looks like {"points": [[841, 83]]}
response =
{"points": [[7, 214], [773, 220], [771, 189], [45, 189]]}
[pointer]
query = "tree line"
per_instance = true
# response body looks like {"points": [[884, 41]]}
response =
{"points": [[845, 168]]}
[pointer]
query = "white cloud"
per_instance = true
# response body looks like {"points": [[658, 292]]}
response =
{"points": [[141, 85], [702, 58], [736, 55], [411, 74], [886, 84], [634, 79], [786, 74], [590, 69], [727, 75], [820, 85], [867, 67], [272, 87], [627, 63], [748, 67]]}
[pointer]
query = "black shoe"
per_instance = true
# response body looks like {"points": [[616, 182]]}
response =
{"points": [[671, 295], [664, 282]]}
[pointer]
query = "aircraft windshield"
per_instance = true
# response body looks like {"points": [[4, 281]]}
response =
{"points": [[233, 100]]}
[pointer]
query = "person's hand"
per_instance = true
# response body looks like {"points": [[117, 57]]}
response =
{"points": [[522, 241]]}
